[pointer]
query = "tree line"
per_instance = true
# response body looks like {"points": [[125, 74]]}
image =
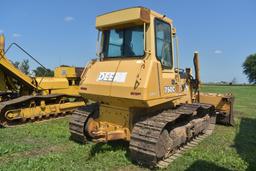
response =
{"points": [[249, 67], [38, 72]]}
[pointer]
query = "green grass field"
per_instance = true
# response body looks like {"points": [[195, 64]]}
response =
{"points": [[46, 145]]}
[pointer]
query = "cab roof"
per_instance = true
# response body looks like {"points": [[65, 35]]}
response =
{"points": [[128, 16]]}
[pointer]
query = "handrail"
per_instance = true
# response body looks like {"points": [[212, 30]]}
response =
{"points": [[22, 49]]}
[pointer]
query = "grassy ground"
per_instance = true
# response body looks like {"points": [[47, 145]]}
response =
{"points": [[46, 145]]}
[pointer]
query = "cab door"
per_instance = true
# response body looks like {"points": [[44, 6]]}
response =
{"points": [[164, 54]]}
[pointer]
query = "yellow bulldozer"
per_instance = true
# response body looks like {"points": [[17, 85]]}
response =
{"points": [[24, 98], [140, 94]]}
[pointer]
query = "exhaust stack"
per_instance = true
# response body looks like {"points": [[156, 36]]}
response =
{"points": [[197, 68], [197, 74]]}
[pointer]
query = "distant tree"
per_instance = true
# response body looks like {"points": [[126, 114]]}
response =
{"points": [[24, 66], [249, 67], [233, 81], [16, 64], [40, 72]]}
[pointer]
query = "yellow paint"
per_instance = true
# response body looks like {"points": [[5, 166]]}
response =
{"points": [[123, 17], [220, 101], [43, 110], [66, 72]]}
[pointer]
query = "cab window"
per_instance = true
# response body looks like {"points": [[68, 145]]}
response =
{"points": [[126, 42], [163, 43]]}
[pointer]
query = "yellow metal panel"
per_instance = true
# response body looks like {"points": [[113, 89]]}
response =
{"points": [[52, 83], [220, 101], [91, 82], [135, 15], [71, 90], [66, 72], [133, 85], [41, 111], [117, 116]]}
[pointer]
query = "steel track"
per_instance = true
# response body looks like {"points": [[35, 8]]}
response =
{"points": [[78, 120], [164, 163], [145, 135]]}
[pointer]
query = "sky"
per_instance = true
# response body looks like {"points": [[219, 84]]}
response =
{"points": [[59, 32]]}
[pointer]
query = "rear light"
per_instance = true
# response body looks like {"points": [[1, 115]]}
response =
{"points": [[83, 88], [135, 93]]}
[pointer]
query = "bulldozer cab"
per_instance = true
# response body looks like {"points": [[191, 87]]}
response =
{"points": [[136, 58], [133, 38]]}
